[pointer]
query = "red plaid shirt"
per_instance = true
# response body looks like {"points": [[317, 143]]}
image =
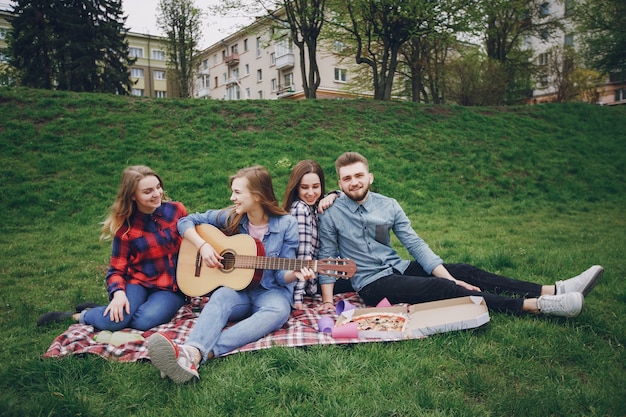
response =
{"points": [[147, 252]]}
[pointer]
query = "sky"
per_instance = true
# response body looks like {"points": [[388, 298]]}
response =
{"points": [[142, 19]]}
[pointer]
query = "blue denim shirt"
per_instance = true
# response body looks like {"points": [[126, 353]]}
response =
{"points": [[280, 241], [361, 232]]}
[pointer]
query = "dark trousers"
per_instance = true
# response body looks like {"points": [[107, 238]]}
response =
{"points": [[501, 294]]}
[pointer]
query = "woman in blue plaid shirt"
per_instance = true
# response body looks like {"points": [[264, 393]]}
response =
{"points": [[303, 199]]}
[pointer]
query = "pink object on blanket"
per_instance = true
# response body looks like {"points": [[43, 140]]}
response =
{"points": [[300, 330]]}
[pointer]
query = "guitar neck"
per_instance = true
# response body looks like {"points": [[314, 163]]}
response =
{"points": [[263, 262]]}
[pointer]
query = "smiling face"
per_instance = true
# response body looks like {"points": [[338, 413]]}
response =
{"points": [[355, 180], [241, 196], [148, 194], [310, 188]]}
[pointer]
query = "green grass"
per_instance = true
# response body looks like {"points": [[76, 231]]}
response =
{"points": [[534, 192]]}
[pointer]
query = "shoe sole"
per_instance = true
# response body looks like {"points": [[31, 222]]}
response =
{"points": [[164, 356], [594, 280]]}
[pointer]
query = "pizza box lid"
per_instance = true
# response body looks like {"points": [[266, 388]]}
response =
{"points": [[446, 315], [427, 318]]}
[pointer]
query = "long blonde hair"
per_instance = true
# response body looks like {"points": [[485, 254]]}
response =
{"points": [[124, 206], [260, 185]]}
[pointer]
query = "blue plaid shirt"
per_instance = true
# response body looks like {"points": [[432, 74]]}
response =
{"points": [[308, 245]]}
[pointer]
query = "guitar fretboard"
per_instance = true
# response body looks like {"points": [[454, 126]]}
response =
{"points": [[260, 262]]}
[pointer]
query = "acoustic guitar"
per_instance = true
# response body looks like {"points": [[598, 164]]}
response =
{"points": [[244, 262]]}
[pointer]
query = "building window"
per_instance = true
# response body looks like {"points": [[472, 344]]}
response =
{"points": [[234, 49], [205, 64], [568, 40], [620, 95], [137, 92], [259, 75], [339, 47], [260, 95], [544, 9], [224, 77], [215, 83], [284, 47], [158, 55], [245, 45], [136, 72], [272, 59], [248, 92], [159, 75], [274, 84], [204, 81], [3, 33], [160, 94], [246, 70], [135, 52], [258, 47], [543, 59], [214, 59], [289, 80], [341, 75]]}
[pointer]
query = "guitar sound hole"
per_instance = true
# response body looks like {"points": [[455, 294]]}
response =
{"points": [[228, 261]]}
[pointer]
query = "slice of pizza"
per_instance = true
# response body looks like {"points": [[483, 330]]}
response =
{"points": [[381, 322]]}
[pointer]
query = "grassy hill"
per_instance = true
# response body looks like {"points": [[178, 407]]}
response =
{"points": [[536, 192]]}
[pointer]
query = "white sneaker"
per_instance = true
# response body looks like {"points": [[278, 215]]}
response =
{"points": [[583, 283], [564, 305], [171, 359]]}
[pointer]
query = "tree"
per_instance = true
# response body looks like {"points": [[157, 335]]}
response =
{"points": [[305, 19], [180, 20], [379, 29], [76, 45], [473, 79], [504, 24], [601, 27], [426, 52]]}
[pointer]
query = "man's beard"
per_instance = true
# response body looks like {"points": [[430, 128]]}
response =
{"points": [[359, 196]]}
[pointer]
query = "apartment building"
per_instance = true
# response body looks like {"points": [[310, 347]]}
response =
{"points": [[148, 74], [5, 26], [607, 93], [259, 62]]}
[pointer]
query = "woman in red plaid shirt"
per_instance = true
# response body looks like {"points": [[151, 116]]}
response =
{"points": [[141, 280]]}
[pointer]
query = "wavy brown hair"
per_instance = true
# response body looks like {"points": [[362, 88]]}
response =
{"points": [[123, 207], [302, 168], [260, 185]]}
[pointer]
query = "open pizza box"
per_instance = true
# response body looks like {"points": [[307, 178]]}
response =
{"points": [[426, 318]]}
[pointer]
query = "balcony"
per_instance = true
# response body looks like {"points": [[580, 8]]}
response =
{"points": [[285, 61], [286, 91], [232, 59], [232, 80]]}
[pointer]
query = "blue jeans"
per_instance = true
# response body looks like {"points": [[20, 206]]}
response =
{"points": [[149, 307], [258, 312]]}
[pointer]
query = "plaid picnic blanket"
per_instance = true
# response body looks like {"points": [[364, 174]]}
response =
{"points": [[300, 330]]}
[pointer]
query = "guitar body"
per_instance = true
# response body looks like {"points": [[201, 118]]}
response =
{"points": [[194, 278]]}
